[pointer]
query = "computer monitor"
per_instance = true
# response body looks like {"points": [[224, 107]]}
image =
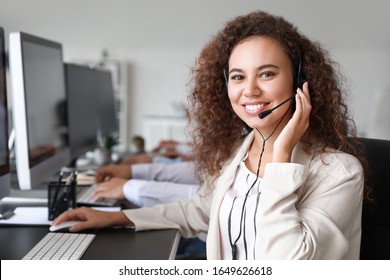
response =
{"points": [[107, 118], [39, 98], [81, 88], [5, 178]]}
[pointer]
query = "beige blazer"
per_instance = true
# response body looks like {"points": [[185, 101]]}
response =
{"points": [[309, 209]]}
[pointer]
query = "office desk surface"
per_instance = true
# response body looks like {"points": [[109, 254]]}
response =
{"points": [[109, 244]]}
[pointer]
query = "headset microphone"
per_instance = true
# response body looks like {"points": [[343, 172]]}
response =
{"points": [[262, 115]]}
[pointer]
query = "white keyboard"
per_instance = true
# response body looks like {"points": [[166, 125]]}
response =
{"points": [[60, 246], [86, 194]]}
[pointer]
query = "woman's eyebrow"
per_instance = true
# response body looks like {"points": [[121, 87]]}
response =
{"points": [[262, 67]]}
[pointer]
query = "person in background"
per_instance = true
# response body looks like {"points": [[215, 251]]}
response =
{"points": [[137, 145], [167, 151], [149, 184], [280, 168]]}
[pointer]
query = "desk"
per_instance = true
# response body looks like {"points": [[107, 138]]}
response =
{"points": [[109, 244]]}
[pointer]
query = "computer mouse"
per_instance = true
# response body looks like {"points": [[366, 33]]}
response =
{"points": [[64, 225]]}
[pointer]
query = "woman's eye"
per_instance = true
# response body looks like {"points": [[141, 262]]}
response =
{"points": [[237, 77], [266, 74]]}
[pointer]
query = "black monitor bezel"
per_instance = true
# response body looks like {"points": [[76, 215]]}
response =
{"points": [[5, 168]]}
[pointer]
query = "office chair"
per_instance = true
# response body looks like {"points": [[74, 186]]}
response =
{"points": [[375, 243]]}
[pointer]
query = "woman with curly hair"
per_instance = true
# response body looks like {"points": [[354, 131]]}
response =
{"points": [[281, 176]]}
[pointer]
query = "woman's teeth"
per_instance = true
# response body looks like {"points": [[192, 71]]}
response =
{"points": [[254, 107]]}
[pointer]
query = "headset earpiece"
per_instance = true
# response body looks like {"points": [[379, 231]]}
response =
{"points": [[300, 78]]}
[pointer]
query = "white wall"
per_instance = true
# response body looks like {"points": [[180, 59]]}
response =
{"points": [[161, 39], [368, 71]]}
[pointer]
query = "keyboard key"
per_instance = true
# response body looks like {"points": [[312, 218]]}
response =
{"points": [[60, 246]]}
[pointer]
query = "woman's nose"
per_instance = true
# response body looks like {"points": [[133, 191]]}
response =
{"points": [[251, 88]]}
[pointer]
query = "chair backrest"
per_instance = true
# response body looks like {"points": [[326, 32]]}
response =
{"points": [[375, 244]]}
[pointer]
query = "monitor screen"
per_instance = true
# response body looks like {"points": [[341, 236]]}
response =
{"points": [[81, 87], [39, 114], [5, 179], [107, 118]]}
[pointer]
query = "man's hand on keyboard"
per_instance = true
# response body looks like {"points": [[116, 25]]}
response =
{"points": [[110, 171], [110, 189]]}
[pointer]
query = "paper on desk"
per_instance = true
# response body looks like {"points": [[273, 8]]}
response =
{"points": [[28, 216], [39, 215]]}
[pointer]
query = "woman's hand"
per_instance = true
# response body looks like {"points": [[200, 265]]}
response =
{"points": [[92, 219], [109, 171], [295, 128], [110, 189]]}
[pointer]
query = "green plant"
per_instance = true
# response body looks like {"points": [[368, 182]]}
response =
{"points": [[110, 141]]}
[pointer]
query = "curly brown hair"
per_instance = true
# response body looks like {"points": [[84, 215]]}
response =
{"points": [[217, 131]]}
